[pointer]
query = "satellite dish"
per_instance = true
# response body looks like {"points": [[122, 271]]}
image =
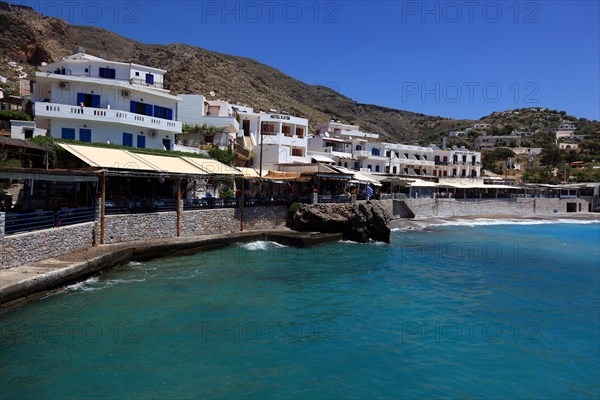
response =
{"points": [[326, 134], [212, 93]]}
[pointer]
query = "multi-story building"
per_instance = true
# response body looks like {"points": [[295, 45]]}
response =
{"points": [[490, 142], [456, 162], [88, 98], [217, 116], [274, 138]]}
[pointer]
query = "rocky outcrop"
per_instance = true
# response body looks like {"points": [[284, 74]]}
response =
{"points": [[359, 222]]}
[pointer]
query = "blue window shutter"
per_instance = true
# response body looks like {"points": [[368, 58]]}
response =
{"points": [[149, 109], [128, 139], [95, 100], [141, 141], [80, 98], [112, 73], [85, 135], [68, 133], [170, 113], [133, 106], [157, 111], [150, 79]]}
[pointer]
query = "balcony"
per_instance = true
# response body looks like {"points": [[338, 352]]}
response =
{"points": [[361, 153], [65, 111], [229, 124]]}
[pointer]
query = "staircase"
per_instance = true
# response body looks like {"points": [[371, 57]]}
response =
{"points": [[402, 210]]}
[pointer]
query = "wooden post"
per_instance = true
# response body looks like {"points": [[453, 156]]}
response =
{"points": [[102, 205], [242, 207], [178, 207]]}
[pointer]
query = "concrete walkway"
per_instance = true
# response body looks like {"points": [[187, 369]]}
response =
{"points": [[25, 280]]}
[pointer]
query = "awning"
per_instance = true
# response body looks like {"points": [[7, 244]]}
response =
{"points": [[213, 167], [357, 176], [49, 175], [249, 173], [282, 176], [130, 162], [107, 158], [175, 165], [320, 158]]}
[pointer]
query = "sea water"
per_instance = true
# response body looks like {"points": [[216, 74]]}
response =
{"points": [[483, 311]]}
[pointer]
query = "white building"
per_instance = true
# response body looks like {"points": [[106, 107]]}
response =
{"points": [[90, 99], [195, 109], [274, 138], [490, 142], [456, 162]]}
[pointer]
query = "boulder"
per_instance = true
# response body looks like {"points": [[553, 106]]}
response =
{"points": [[359, 222]]}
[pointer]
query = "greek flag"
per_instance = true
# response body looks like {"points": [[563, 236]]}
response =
{"points": [[369, 192]]}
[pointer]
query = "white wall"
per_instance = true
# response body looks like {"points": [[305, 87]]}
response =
{"points": [[102, 133]]}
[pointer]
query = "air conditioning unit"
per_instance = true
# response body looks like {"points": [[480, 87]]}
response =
{"points": [[125, 93], [152, 133], [63, 85]]}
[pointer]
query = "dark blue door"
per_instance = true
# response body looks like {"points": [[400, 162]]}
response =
{"points": [[68, 133], [85, 135], [127, 139]]}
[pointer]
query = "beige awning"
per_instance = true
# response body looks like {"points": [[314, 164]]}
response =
{"points": [[282, 176], [320, 158], [131, 161], [249, 173], [213, 167], [167, 164], [108, 158]]}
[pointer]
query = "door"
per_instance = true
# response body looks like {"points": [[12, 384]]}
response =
{"points": [[246, 127], [167, 144]]}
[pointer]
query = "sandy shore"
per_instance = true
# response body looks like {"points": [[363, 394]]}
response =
{"points": [[422, 223]]}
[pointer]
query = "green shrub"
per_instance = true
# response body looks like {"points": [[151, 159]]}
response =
{"points": [[17, 115]]}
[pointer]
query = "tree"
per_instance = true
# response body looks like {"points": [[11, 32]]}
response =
{"points": [[224, 156], [551, 155], [506, 130]]}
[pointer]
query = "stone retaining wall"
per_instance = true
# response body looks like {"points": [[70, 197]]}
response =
{"points": [[35, 246], [429, 207], [48, 243]]}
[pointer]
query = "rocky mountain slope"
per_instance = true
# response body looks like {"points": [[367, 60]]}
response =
{"points": [[28, 38]]}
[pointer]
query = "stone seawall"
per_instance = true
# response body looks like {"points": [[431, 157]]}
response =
{"points": [[35, 246], [428, 207]]}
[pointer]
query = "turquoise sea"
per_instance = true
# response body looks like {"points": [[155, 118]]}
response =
{"points": [[486, 311]]}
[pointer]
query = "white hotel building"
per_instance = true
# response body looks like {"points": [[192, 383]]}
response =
{"points": [[347, 146], [274, 138], [90, 99]]}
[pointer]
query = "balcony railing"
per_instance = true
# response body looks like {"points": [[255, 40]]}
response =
{"points": [[105, 115]]}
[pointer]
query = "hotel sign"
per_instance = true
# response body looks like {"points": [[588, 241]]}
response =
{"points": [[277, 116]]}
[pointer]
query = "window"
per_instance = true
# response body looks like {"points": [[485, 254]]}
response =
{"points": [[369, 166], [28, 132], [267, 128], [356, 165], [68, 133], [163, 112], [88, 100], [137, 73], [85, 135], [128, 139], [286, 130], [140, 108], [358, 147], [108, 73], [300, 133], [141, 141], [375, 151], [150, 79], [377, 168], [87, 70]]}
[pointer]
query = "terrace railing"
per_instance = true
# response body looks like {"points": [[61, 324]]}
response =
{"points": [[27, 222]]}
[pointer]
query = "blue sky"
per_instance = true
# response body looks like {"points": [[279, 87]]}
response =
{"points": [[458, 59]]}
